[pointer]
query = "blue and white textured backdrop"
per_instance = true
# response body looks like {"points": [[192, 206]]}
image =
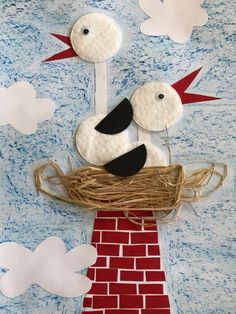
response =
{"points": [[198, 252]]}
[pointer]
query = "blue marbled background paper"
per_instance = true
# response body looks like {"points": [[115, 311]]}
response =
{"points": [[197, 252]]}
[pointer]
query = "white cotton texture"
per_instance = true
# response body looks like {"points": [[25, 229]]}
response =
{"points": [[156, 106], [96, 37], [98, 148]]}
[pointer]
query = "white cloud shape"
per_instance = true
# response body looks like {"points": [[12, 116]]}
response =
{"points": [[175, 18], [49, 266], [20, 107]]}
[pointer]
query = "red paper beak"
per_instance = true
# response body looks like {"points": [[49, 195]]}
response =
{"points": [[68, 53], [188, 98]]}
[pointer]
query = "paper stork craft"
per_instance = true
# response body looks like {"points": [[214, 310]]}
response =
{"points": [[128, 275]]}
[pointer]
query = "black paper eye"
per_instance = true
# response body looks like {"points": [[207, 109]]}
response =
{"points": [[161, 96], [85, 31]]}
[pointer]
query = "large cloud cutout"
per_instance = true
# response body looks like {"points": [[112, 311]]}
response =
{"points": [[175, 18], [49, 266], [20, 107]]}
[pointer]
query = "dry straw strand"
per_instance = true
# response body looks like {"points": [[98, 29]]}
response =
{"points": [[161, 189]]}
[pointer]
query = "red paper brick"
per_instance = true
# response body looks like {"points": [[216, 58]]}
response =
{"points": [[125, 224], [122, 288], [96, 237], [148, 263], [87, 302], [110, 214], [155, 276], [153, 250], [115, 237], [134, 250], [108, 249], [131, 302], [144, 238], [141, 213], [122, 311], [101, 262], [98, 288], [150, 225], [90, 273], [156, 311], [106, 275], [105, 302], [104, 224], [122, 262], [131, 275], [151, 289], [157, 301]]}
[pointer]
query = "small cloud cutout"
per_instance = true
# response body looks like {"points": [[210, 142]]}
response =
{"points": [[49, 266], [20, 107], [175, 18]]}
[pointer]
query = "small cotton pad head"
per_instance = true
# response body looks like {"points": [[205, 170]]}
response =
{"points": [[156, 106], [96, 37]]}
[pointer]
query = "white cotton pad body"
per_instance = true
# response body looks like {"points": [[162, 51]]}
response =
{"points": [[98, 148]]}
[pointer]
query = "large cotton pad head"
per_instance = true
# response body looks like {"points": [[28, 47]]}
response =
{"points": [[96, 37], [156, 106], [98, 148]]}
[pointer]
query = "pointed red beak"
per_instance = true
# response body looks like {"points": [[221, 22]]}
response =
{"points": [[68, 53], [187, 98]]}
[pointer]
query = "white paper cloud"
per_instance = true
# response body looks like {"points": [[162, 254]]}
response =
{"points": [[175, 18], [20, 107], [48, 266]]}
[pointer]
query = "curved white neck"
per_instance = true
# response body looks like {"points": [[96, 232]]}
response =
{"points": [[101, 88]]}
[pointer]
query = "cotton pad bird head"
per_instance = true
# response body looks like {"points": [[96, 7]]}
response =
{"points": [[95, 38], [158, 106]]}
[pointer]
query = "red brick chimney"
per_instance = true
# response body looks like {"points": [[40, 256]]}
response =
{"points": [[127, 277]]}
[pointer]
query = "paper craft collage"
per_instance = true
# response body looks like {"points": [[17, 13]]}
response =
{"points": [[117, 157]]}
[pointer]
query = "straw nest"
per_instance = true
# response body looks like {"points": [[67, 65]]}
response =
{"points": [[154, 188]]}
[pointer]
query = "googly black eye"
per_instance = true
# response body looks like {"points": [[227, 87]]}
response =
{"points": [[161, 96], [85, 31]]}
